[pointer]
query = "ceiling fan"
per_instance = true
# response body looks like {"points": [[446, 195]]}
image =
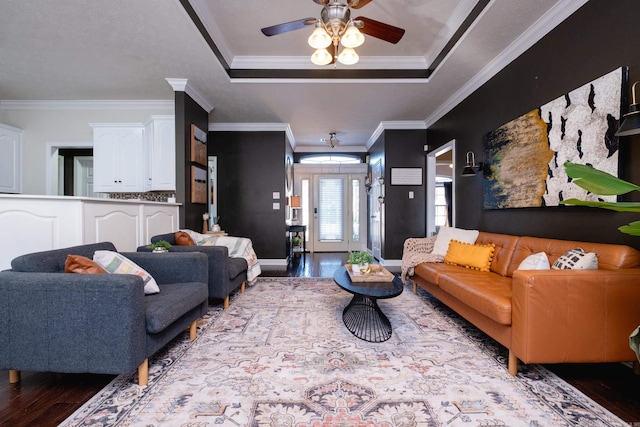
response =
{"points": [[332, 141], [335, 27]]}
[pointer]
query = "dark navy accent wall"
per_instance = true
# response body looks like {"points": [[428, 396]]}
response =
{"points": [[402, 217], [600, 37], [251, 167], [187, 112]]}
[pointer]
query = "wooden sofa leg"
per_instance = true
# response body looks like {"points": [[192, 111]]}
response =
{"points": [[513, 364], [225, 304], [14, 376], [242, 287], [636, 367], [143, 373], [415, 288], [193, 330]]}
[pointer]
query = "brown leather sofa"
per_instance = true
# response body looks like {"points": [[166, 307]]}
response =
{"points": [[545, 316]]}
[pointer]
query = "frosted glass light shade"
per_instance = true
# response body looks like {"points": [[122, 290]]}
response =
{"points": [[319, 39], [352, 37], [321, 57], [348, 56]]}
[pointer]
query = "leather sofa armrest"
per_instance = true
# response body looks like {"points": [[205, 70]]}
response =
{"points": [[574, 315], [65, 322]]}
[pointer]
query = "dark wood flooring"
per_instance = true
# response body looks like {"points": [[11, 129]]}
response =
{"points": [[47, 399]]}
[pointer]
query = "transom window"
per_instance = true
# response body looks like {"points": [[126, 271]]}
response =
{"points": [[343, 159]]}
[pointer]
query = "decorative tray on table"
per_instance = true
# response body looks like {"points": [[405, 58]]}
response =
{"points": [[376, 273]]}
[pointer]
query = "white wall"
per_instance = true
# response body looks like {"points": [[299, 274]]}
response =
{"points": [[60, 122]]}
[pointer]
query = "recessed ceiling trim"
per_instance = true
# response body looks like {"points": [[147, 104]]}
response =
{"points": [[94, 104], [302, 62], [551, 19], [267, 75]]}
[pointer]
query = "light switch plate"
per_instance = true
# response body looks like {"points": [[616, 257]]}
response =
{"points": [[276, 206], [411, 194], [276, 194]]}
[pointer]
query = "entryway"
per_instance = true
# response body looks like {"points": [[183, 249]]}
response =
{"points": [[334, 205]]}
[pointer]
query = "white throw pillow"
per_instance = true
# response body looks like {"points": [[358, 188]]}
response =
{"points": [[115, 263], [576, 259], [446, 234], [538, 261]]}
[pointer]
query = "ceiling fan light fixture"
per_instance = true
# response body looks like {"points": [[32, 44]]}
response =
{"points": [[352, 37], [321, 57], [319, 39], [348, 56]]}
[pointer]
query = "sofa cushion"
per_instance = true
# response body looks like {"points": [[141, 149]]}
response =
{"points": [[116, 263], [173, 301], [183, 239], [477, 257], [431, 271], [446, 234], [538, 261], [576, 259], [82, 265], [505, 244], [610, 256], [486, 292]]}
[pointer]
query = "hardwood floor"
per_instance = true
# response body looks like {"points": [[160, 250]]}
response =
{"points": [[47, 399]]}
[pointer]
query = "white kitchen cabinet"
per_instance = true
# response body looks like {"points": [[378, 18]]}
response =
{"points": [[118, 158], [11, 159], [160, 154]]}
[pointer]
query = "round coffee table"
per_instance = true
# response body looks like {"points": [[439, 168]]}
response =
{"points": [[362, 317]]}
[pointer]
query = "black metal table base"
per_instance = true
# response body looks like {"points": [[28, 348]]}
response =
{"points": [[364, 319]]}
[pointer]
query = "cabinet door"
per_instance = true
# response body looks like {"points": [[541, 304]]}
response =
{"points": [[117, 154], [11, 159], [160, 154]]}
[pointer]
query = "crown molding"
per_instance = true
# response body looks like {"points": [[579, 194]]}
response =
{"points": [[395, 125], [550, 20], [104, 104], [183, 85]]}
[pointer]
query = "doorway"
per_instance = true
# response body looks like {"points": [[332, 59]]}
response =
{"points": [[75, 172], [333, 205], [441, 188]]}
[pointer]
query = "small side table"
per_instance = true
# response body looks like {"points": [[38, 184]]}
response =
{"points": [[293, 230]]}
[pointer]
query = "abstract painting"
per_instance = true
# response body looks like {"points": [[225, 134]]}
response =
{"points": [[524, 158]]}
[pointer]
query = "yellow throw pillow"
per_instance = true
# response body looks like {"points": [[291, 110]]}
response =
{"points": [[477, 257]]}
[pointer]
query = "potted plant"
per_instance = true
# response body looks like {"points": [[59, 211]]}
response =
{"points": [[161, 246], [215, 226], [605, 184], [359, 260]]}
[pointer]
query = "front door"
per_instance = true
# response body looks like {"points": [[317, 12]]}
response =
{"points": [[330, 211]]}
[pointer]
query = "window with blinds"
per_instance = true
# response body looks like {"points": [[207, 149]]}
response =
{"points": [[330, 209]]}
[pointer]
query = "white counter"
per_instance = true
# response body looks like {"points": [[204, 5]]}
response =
{"points": [[32, 223]]}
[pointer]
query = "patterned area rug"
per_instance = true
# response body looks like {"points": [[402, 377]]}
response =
{"points": [[281, 356]]}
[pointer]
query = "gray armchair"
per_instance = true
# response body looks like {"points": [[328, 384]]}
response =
{"points": [[52, 321], [225, 274]]}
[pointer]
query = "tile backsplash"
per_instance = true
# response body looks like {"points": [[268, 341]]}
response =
{"points": [[151, 197]]}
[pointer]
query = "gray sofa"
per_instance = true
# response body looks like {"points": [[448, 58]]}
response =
{"points": [[52, 321], [225, 274]]}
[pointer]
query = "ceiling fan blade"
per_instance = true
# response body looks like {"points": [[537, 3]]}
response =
{"points": [[380, 30], [288, 26], [355, 4]]}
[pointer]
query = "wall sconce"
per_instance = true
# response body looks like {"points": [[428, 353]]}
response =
{"points": [[471, 165], [631, 121], [380, 199], [295, 205]]}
